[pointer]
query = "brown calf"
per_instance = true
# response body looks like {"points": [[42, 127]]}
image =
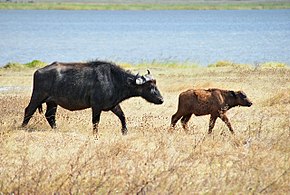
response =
{"points": [[215, 102]]}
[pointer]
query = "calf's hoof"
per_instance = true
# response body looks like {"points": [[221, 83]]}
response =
{"points": [[96, 137]]}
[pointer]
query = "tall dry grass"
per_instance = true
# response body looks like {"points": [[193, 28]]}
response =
{"points": [[38, 160]]}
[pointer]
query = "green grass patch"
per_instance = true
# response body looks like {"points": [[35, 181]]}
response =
{"points": [[19, 66], [146, 6], [230, 64], [35, 64]]}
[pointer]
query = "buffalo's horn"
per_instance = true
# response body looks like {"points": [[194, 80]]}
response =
{"points": [[148, 71], [139, 81]]}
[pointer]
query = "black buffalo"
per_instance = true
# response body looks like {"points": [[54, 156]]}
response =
{"points": [[97, 85]]}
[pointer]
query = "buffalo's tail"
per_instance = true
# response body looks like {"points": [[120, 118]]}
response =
{"points": [[40, 110]]}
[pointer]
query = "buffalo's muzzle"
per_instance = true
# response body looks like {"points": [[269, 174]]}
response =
{"points": [[160, 101]]}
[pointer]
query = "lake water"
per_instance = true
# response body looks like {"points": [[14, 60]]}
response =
{"points": [[203, 37]]}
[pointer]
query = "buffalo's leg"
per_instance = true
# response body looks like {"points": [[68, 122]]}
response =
{"points": [[50, 113], [227, 122], [175, 118], [212, 121], [34, 103], [184, 121], [119, 112], [96, 120]]}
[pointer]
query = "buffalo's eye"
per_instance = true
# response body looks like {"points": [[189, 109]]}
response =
{"points": [[153, 90]]}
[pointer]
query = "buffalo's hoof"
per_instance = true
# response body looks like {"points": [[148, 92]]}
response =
{"points": [[54, 126], [124, 131]]}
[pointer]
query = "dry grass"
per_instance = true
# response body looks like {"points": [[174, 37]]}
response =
{"points": [[39, 160]]}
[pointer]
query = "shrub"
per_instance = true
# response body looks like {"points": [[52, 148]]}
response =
{"points": [[35, 64], [273, 65], [222, 64], [13, 65], [228, 64]]}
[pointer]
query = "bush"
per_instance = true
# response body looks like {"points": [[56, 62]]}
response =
{"points": [[228, 64], [35, 64], [13, 65], [273, 65]]}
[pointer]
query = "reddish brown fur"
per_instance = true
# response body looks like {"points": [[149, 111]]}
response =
{"points": [[215, 102]]}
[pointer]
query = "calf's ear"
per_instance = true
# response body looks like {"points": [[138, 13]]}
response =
{"points": [[233, 93]]}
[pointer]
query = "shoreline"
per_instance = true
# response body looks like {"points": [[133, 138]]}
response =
{"points": [[157, 64], [144, 6]]}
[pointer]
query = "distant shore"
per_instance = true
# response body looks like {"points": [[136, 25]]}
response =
{"points": [[144, 6]]}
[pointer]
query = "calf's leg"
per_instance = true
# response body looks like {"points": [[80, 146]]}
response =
{"points": [[212, 121], [184, 121], [175, 118], [227, 122], [119, 112]]}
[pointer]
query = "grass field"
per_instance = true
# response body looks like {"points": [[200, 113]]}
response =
{"points": [[38, 160], [146, 5]]}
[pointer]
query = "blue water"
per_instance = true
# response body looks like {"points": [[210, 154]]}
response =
{"points": [[203, 37]]}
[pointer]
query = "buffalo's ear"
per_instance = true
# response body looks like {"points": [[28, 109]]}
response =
{"points": [[233, 94], [130, 81]]}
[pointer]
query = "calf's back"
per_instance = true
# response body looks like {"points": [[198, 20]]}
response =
{"points": [[201, 101]]}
